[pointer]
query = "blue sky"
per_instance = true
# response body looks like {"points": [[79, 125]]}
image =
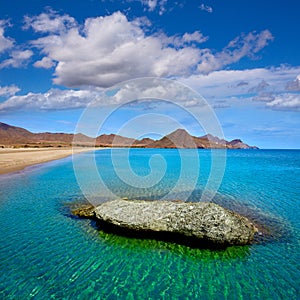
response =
{"points": [[241, 56]]}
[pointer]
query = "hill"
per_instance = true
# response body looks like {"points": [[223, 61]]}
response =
{"points": [[19, 137]]}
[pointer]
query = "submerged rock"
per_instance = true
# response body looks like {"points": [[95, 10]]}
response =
{"points": [[207, 223], [85, 211]]}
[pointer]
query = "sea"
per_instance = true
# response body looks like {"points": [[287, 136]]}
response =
{"points": [[47, 253]]}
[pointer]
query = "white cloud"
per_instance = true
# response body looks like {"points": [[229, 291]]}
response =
{"points": [[5, 42], [145, 89], [264, 97], [155, 88], [153, 5], [242, 46], [287, 101], [162, 6], [196, 36], [51, 100], [242, 83], [150, 3], [8, 90], [142, 22], [293, 85], [18, 58], [45, 63], [181, 41], [220, 88], [227, 83], [49, 22], [267, 85], [206, 8], [262, 86], [111, 49]]}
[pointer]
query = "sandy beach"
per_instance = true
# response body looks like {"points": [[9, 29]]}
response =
{"points": [[12, 160]]}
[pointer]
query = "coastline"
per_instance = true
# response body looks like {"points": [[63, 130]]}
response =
{"points": [[12, 160]]}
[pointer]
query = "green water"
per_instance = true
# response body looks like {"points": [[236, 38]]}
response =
{"points": [[45, 253]]}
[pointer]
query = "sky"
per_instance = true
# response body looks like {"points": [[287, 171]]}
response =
{"points": [[242, 57]]}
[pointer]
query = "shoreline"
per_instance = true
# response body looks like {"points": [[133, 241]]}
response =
{"points": [[12, 160]]}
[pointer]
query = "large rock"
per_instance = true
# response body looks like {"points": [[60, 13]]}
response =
{"points": [[207, 223]]}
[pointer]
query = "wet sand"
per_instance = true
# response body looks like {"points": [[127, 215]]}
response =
{"points": [[12, 160]]}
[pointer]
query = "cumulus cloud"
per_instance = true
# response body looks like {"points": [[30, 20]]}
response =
{"points": [[222, 89], [293, 85], [196, 36], [277, 98], [18, 58], [111, 49], [49, 22], [177, 41], [51, 100], [206, 8], [264, 97], [8, 90], [155, 88], [227, 85], [263, 85], [242, 46], [148, 90], [45, 63], [287, 101], [5, 42]]}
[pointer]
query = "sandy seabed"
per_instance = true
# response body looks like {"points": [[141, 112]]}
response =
{"points": [[12, 160]]}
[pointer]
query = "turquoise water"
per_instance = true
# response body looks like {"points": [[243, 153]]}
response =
{"points": [[45, 253]]}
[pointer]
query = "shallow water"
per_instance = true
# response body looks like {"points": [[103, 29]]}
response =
{"points": [[45, 253]]}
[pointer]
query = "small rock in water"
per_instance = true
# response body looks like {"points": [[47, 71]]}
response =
{"points": [[207, 223], [85, 211]]}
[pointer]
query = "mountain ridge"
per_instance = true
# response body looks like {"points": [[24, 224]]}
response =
{"points": [[19, 137]]}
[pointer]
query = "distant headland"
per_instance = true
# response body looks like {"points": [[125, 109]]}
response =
{"points": [[11, 136]]}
